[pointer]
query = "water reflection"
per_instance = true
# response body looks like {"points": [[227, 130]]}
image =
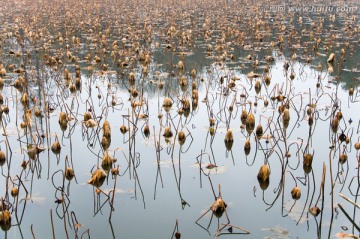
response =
{"points": [[116, 118]]}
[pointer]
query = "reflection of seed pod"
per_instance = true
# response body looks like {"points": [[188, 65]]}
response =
{"points": [[56, 147], [243, 116], [63, 119], [177, 235], [229, 136], [257, 86], [315, 211], [146, 131], [105, 142], [286, 117], [106, 162], [181, 137], [342, 137], [2, 158], [167, 132], [183, 81], [247, 147], [131, 78], [123, 129], [351, 91], [266, 102], [212, 131], [69, 173], [14, 192], [292, 76], [311, 120], [264, 173], [347, 140], [106, 129], [259, 131], [296, 193], [339, 115], [343, 158], [250, 123], [357, 145], [212, 122], [267, 80], [308, 158], [335, 124]]}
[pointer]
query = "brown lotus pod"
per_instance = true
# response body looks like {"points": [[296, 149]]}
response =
{"points": [[259, 131], [181, 137], [212, 122], [63, 120], [69, 173], [339, 115], [14, 192], [195, 95], [25, 100], [357, 145], [167, 132], [315, 211], [267, 80], [106, 162], [250, 123], [123, 129], [167, 103], [331, 58], [193, 85], [56, 147], [183, 81], [177, 235], [180, 65], [257, 86], [146, 130], [131, 78], [87, 116], [347, 140], [229, 136], [343, 158], [193, 73], [97, 178], [5, 220], [296, 193], [105, 142], [247, 147], [264, 173], [286, 117], [218, 207], [335, 124], [114, 171], [212, 131], [308, 158], [6, 109], [2, 158], [351, 91], [266, 102], [311, 120], [2, 72], [106, 129]]}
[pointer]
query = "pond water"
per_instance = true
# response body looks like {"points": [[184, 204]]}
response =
{"points": [[118, 63]]}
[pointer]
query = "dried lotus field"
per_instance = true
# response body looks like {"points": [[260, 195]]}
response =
{"points": [[179, 119]]}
